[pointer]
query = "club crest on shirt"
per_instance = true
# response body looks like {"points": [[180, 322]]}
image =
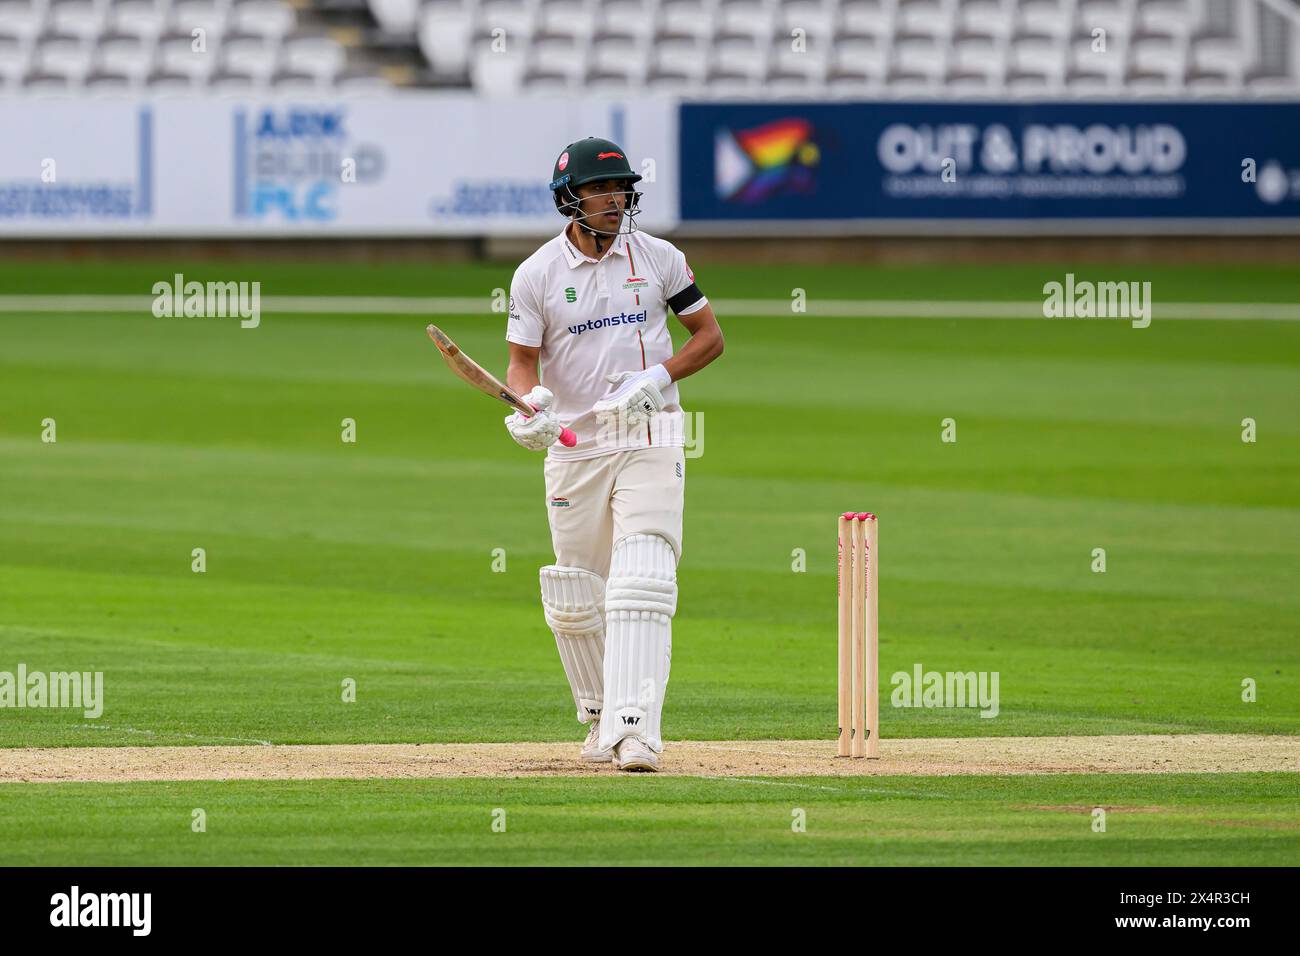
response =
{"points": [[636, 282]]}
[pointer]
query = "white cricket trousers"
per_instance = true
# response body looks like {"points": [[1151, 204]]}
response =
{"points": [[594, 502]]}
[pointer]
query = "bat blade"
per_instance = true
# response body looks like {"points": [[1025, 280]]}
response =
{"points": [[487, 383]]}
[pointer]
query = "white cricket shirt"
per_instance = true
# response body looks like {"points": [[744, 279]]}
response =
{"points": [[593, 317]]}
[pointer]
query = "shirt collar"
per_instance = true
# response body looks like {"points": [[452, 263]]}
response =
{"points": [[575, 256]]}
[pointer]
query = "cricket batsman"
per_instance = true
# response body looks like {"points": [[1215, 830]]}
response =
{"points": [[590, 349]]}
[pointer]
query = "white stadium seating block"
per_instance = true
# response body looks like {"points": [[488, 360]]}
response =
{"points": [[726, 48]]}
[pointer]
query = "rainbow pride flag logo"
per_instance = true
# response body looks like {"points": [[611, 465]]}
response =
{"points": [[751, 165]]}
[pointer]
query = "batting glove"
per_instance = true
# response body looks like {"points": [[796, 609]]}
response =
{"points": [[542, 430], [638, 396]]}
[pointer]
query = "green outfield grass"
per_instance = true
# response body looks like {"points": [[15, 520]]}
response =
{"points": [[373, 561], [1161, 820]]}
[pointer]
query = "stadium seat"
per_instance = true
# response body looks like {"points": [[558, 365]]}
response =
{"points": [[1083, 59], [905, 84], [124, 54], [267, 18], [924, 18], [141, 18], [515, 17], [355, 82], [568, 18], [869, 17], [921, 54], [1113, 16], [175, 55], [63, 55], [1218, 54], [444, 38], [816, 18], [1177, 17], [740, 54], [108, 83], [496, 74], [557, 55], [691, 18], [546, 82], [1029, 84], [229, 81], [314, 55], [1088, 83], [292, 81], [729, 84], [13, 57], [671, 82], [207, 15], [79, 18], [790, 86], [1037, 53], [162, 81], [40, 82], [251, 54], [753, 18], [864, 56], [612, 81], [1158, 54], [22, 18], [1147, 83], [1267, 84], [968, 85], [988, 17], [1211, 84], [683, 56], [619, 56], [978, 53], [1044, 17], [852, 86], [625, 18], [398, 17], [809, 64]]}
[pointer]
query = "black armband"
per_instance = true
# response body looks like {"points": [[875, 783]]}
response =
{"points": [[686, 298]]}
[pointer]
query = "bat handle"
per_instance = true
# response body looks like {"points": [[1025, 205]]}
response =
{"points": [[567, 438]]}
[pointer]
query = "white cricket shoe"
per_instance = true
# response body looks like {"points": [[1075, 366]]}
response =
{"points": [[631, 753], [591, 752]]}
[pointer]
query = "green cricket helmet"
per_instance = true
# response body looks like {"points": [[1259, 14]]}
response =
{"points": [[592, 160]]}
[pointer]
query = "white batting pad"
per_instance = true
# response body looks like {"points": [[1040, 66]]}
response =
{"points": [[640, 600], [573, 601]]}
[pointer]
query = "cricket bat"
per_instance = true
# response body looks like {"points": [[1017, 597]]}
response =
{"points": [[487, 383]]}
